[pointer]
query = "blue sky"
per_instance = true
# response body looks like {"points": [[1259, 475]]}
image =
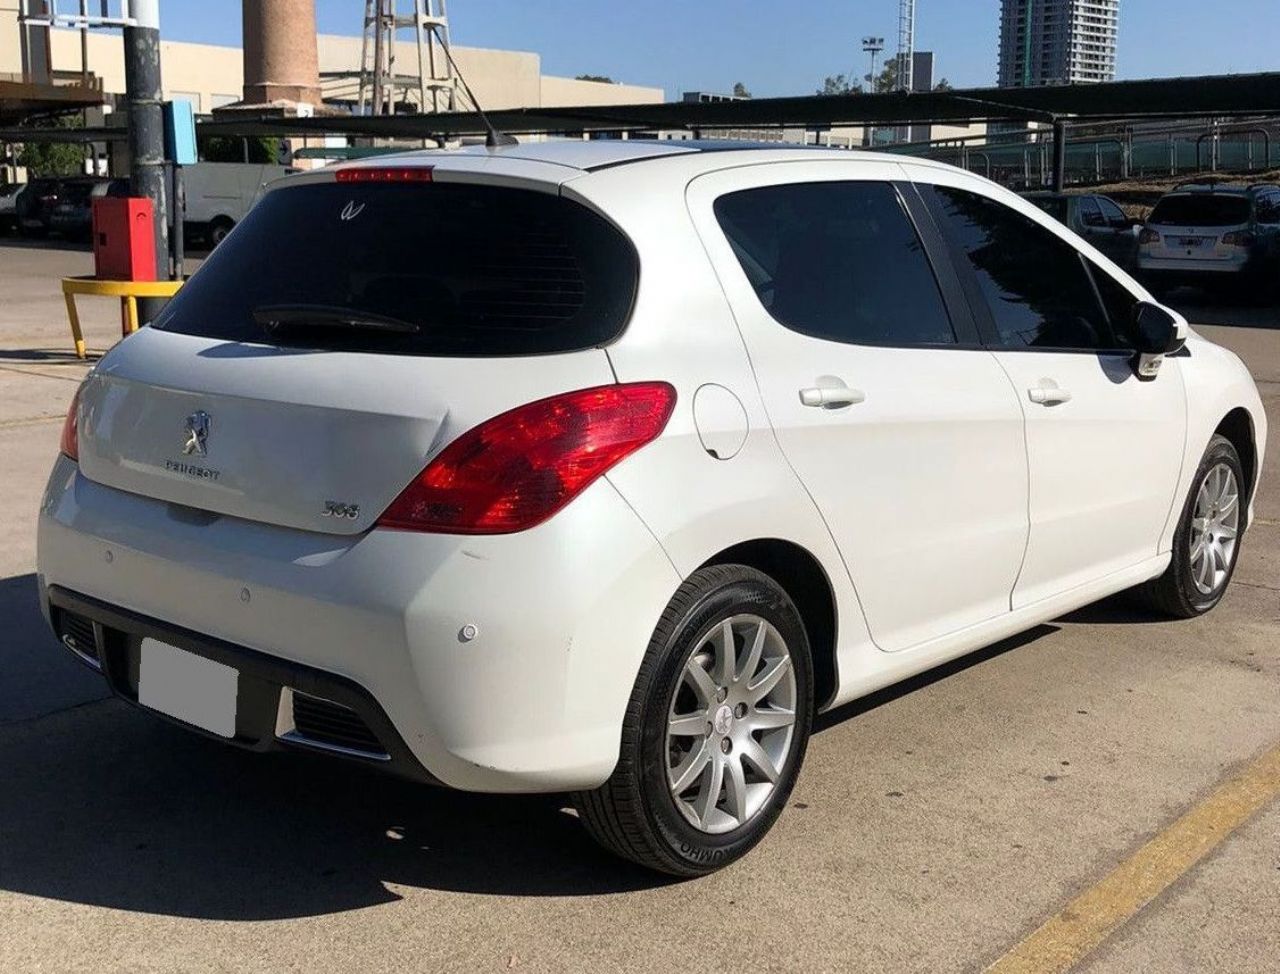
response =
{"points": [[786, 47]]}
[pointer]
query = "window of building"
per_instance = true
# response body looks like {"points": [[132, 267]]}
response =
{"points": [[839, 261]]}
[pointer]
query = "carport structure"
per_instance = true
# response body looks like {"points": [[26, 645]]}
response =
{"points": [[1211, 96]]}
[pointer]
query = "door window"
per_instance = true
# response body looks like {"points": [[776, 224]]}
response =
{"points": [[1268, 208], [1036, 285], [1113, 214], [1090, 215], [839, 261]]}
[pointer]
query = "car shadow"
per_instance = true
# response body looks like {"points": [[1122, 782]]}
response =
{"points": [[105, 805], [47, 356]]}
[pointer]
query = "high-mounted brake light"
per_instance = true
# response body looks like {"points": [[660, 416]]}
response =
{"points": [[516, 470], [385, 174], [70, 443]]}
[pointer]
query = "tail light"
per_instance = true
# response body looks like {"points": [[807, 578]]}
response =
{"points": [[517, 469], [1148, 236], [385, 174], [1239, 238], [70, 444]]}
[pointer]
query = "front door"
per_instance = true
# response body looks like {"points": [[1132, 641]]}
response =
{"points": [[1104, 447], [906, 433]]}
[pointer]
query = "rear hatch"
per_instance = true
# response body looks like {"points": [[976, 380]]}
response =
{"points": [[1191, 226], [345, 333]]}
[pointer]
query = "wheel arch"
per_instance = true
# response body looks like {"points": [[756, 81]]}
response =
{"points": [[1237, 426], [803, 578]]}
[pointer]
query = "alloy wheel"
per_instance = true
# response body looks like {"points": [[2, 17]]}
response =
{"points": [[1215, 527], [731, 723]]}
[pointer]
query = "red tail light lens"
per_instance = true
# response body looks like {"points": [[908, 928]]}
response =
{"points": [[516, 470], [385, 174], [1239, 238], [70, 444], [1148, 237]]}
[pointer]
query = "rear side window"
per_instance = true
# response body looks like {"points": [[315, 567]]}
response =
{"points": [[419, 269], [1055, 206], [1036, 285], [839, 261], [1201, 211]]}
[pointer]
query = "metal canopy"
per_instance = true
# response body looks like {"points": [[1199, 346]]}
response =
{"points": [[1214, 95]]}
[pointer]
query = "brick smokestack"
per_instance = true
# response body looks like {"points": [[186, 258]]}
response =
{"points": [[280, 61]]}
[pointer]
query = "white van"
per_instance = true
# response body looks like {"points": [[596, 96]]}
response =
{"points": [[219, 194]]}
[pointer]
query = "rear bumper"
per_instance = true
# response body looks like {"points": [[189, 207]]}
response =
{"points": [[1190, 267], [265, 683], [534, 701]]}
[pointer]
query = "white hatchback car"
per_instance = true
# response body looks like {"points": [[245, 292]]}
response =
{"points": [[601, 467]]}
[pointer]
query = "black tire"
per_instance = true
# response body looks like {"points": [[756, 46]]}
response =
{"points": [[633, 814], [1175, 592], [218, 231]]}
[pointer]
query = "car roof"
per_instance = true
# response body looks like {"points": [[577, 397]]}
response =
{"points": [[595, 154]]}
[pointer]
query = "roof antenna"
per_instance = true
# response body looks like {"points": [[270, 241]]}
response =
{"points": [[494, 137]]}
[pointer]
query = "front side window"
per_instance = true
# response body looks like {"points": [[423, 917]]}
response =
{"points": [[1268, 208], [1090, 215], [1114, 215], [1035, 284], [839, 261]]}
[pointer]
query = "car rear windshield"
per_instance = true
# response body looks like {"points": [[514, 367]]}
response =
{"points": [[416, 269], [1201, 211]]}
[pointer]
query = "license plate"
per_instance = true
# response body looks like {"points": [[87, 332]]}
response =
{"points": [[191, 688], [1191, 241]]}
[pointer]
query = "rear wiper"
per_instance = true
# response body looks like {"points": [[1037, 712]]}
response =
{"points": [[274, 317]]}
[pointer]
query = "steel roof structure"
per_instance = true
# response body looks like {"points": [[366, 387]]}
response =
{"points": [[1213, 95]]}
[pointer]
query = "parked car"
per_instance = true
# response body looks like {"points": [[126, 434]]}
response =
{"points": [[34, 204], [603, 467], [219, 194], [1098, 219], [9, 193], [72, 214], [1214, 235]]}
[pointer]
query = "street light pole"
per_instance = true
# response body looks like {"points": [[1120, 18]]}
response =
{"points": [[146, 119]]}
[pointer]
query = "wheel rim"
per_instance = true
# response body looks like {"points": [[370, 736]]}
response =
{"points": [[731, 723], [1215, 528]]}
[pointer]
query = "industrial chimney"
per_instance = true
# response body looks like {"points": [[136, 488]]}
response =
{"points": [[280, 60]]}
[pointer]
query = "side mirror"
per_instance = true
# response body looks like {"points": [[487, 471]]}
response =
{"points": [[1157, 332]]}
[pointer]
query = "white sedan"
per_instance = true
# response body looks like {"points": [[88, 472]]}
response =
{"points": [[601, 467]]}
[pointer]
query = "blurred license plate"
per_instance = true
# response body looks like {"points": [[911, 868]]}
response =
{"points": [[1192, 241], [191, 688]]}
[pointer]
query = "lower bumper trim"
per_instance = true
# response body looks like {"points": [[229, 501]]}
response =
{"points": [[265, 685]]}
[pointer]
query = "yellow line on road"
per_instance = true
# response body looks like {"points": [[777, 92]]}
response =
{"points": [[1094, 915]]}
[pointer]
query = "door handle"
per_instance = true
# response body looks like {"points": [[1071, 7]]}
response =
{"points": [[826, 397], [1049, 395]]}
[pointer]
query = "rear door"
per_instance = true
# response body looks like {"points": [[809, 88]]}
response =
{"points": [[906, 432], [306, 384], [1108, 232], [1104, 448]]}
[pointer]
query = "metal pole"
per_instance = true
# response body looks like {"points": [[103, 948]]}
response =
{"points": [[146, 119], [378, 77], [1059, 155]]}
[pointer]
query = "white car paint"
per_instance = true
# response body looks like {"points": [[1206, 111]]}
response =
{"points": [[945, 510]]}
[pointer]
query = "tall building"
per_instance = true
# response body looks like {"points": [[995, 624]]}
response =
{"points": [[1057, 42]]}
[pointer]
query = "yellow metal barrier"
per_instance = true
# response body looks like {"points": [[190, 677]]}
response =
{"points": [[127, 291]]}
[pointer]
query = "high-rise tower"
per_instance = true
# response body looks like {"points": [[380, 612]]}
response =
{"points": [[1057, 42]]}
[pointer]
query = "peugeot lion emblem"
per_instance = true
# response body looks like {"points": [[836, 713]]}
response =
{"points": [[197, 430], [351, 210]]}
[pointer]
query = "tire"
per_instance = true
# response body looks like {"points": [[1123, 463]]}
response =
{"points": [[218, 231], [1180, 592], [635, 814]]}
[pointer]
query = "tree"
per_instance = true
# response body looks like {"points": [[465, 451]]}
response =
{"points": [[942, 85], [225, 148], [887, 80], [740, 90], [603, 79], [54, 158], [838, 85]]}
